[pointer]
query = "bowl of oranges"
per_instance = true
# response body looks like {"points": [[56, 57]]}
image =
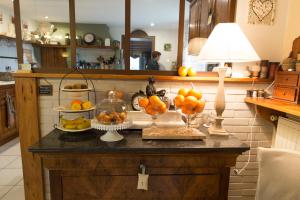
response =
{"points": [[154, 106], [189, 103]]}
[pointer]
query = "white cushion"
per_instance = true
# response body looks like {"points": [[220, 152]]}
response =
{"points": [[279, 175]]}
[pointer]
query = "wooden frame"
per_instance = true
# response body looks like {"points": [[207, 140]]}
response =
{"points": [[126, 47]]}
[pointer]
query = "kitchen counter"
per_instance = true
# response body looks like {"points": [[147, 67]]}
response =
{"points": [[55, 142], [178, 170]]}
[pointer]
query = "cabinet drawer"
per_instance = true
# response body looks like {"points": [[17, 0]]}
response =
{"points": [[287, 79], [285, 93], [166, 187]]}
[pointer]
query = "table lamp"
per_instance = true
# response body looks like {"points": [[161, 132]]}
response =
{"points": [[226, 43]]}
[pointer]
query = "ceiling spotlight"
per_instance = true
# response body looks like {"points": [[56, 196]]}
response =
{"points": [[152, 24], [46, 17]]}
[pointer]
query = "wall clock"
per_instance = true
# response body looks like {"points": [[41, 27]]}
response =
{"points": [[261, 12], [89, 38], [135, 100]]}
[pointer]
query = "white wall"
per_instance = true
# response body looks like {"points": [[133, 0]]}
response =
{"points": [[292, 29], [267, 40]]}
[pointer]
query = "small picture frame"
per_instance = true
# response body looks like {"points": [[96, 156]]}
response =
{"points": [[167, 47]]}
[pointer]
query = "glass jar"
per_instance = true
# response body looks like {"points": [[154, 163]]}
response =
{"points": [[112, 110]]}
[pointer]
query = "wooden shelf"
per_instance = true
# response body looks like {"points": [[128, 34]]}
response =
{"points": [[144, 77], [282, 106], [95, 47]]}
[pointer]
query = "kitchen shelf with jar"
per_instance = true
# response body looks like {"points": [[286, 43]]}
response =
{"points": [[80, 108]]}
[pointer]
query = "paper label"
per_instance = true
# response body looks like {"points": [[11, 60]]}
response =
{"points": [[142, 181]]}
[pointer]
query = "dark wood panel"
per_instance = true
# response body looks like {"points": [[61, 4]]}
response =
{"points": [[53, 57], [174, 187]]}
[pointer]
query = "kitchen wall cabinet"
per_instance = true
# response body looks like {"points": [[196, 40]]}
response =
{"points": [[200, 10], [6, 133]]}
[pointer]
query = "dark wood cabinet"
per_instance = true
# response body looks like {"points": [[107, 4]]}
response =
{"points": [[53, 57], [200, 10], [115, 176], [6, 133]]}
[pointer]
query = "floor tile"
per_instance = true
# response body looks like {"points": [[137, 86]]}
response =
{"points": [[4, 190], [21, 183], [16, 164], [10, 177], [6, 160], [9, 145], [12, 151], [16, 193]]}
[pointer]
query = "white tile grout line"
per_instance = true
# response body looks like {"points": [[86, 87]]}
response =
{"points": [[12, 187], [5, 167]]}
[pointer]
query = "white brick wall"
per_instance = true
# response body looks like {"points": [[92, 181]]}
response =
{"points": [[238, 118]]}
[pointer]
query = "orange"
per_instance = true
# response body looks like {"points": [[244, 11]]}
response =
{"points": [[190, 102], [76, 102], [186, 111], [76, 106], [182, 71], [150, 111], [200, 106], [143, 102], [192, 72], [183, 92], [155, 102], [194, 93], [163, 109], [178, 101]]}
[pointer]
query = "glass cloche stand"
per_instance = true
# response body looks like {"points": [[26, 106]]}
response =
{"points": [[111, 116]]}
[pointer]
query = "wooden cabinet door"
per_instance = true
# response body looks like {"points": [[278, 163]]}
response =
{"points": [[223, 11], [165, 187]]}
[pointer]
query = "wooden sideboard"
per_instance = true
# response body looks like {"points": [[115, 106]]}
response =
{"points": [[6, 133], [178, 170]]}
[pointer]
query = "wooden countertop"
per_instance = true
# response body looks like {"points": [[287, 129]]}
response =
{"points": [[282, 106], [61, 142], [143, 77]]}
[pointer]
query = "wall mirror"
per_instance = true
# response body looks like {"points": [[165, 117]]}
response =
{"points": [[154, 35], [45, 30], [100, 25], [8, 52], [118, 36]]}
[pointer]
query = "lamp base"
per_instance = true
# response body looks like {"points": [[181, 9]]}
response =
{"points": [[217, 128]]}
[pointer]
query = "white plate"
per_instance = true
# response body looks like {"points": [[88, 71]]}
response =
{"points": [[63, 109], [72, 130], [76, 90]]}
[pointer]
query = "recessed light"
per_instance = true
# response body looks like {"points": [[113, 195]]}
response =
{"points": [[152, 24], [46, 17]]}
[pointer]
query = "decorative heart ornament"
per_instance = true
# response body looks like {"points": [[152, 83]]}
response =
{"points": [[261, 11], [262, 8]]}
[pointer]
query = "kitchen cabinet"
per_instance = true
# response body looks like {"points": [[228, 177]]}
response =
{"points": [[178, 170], [6, 133], [200, 10]]}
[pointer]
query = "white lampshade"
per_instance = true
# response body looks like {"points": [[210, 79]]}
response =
{"points": [[228, 43]]}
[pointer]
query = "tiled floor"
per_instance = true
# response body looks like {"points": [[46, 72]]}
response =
{"points": [[11, 182]]}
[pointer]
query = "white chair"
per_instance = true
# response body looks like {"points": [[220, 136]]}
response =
{"points": [[279, 174]]}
